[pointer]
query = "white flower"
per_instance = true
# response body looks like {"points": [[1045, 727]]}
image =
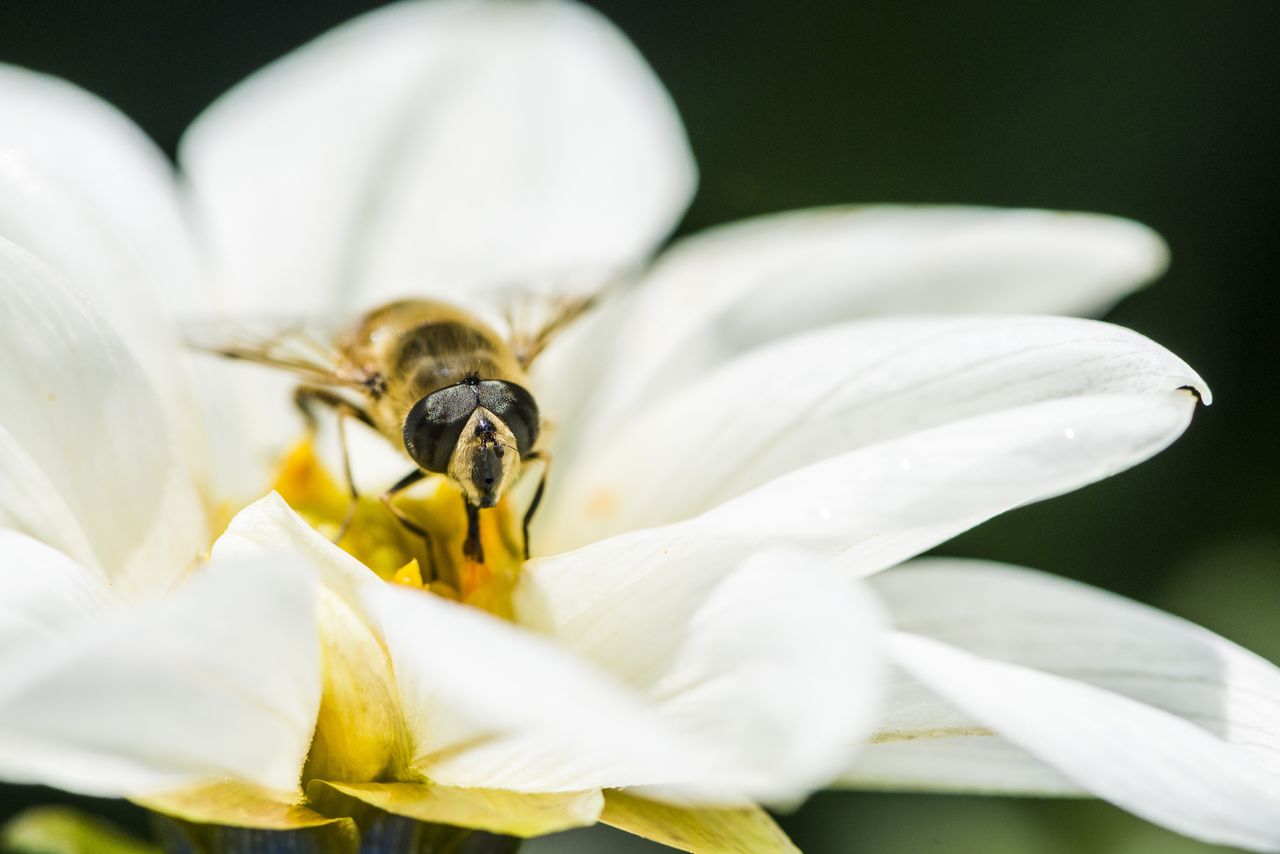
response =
{"points": [[748, 433]]}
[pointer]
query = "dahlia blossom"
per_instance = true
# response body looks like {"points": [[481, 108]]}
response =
{"points": [[749, 439]]}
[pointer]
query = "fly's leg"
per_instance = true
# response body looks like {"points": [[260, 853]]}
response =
{"points": [[544, 458], [395, 489], [352, 503], [472, 549], [306, 398]]}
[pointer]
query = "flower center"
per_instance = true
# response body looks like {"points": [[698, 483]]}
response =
{"points": [[396, 553]]}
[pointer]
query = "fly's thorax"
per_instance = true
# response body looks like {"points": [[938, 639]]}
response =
{"points": [[485, 460], [418, 347]]}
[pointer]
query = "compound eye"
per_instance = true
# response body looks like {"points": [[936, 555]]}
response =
{"points": [[515, 407], [432, 427]]}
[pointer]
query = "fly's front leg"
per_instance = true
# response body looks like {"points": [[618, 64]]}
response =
{"points": [[544, 458], [472, 548], [306, 398], [395, 489]]}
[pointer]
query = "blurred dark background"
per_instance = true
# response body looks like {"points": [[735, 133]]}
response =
{"points": [[1160, 110]]}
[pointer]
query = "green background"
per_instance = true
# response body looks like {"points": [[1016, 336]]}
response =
{"points": [[1160, 110]]}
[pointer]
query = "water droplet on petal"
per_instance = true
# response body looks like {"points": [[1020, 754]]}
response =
{"points": [[1070, 433], [904, 464]]}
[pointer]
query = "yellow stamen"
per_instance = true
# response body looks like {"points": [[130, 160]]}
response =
{"points": [[410, 575], [397, 554]]}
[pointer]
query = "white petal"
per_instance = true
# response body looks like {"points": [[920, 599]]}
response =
{"points": [[568, 380], [60, 225], [813, 396], [86, 462], [679, 694], [495, 706], [358, 730], [84, 190], [486, 704], [1067, 629], [433, 147], [734, 287], [1152, 763], [918, 753], [879, 505], [270, 526], [43, 595], [76, 169], [219, 680], [772, 664], [895, 499]]}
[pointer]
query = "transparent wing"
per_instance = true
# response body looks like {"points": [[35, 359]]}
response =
{"points": [[535, 318], [302, 346]]}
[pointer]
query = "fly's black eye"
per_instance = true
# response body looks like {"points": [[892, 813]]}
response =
{"points": [[515, 407], [433, 425]]}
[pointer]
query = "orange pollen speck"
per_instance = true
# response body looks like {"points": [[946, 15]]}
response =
{"points": [[602, 502]]}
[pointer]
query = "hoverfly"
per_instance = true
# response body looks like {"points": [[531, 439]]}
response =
{"points": [[437, 382]]}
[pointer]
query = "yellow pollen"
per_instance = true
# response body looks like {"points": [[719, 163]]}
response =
{"points": [[399, 555], [410, 575]]}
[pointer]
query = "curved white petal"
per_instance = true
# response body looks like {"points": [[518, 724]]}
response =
{"points": [[495, 706], [737, 286], [76, 169], [1148, 761], [834, 390], [359, 727], [43, 595], [61, 225], [434, 147], [86, 459], [569, 380], [930, 747], [876, 506], [1064, 628], [894, 499], [772, 663], [221, 679], [269, 525], [84, 190], [484, 703], [682, 694]]}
